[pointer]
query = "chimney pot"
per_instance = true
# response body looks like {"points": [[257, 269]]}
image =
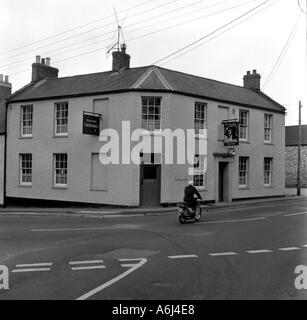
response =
{"points": [[48, 61], [38, 59], [1, 77], [43, 60], [6, 79], [254, 71]]}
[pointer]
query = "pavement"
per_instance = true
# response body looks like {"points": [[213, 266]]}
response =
{"points": [[113, 212]]}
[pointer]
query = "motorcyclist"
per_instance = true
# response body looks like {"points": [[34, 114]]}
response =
{"points": [[189, 193]]}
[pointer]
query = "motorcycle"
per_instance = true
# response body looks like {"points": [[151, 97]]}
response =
{"points": [[187, 214]]}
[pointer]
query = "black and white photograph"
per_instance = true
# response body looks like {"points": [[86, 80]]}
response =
{"points": [[153, 153]]}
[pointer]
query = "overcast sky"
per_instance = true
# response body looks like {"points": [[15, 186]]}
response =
{"points": [[76, 34]]}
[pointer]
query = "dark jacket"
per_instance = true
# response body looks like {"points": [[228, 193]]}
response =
{"points": [[189, 192]]}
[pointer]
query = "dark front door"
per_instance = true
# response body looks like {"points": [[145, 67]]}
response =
{"points": [[150, 185], [222, 181]]}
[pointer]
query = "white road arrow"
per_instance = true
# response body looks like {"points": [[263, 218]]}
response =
{"points": [[132, 266]]}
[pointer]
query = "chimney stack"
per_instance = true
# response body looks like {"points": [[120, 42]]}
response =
{"points": [[41, 69], [121, 60], [252, 80]]}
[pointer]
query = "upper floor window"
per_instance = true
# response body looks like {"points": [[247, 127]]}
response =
{"points": [[151, 113], [26, 120], [243, 171], [199, 116], [243, 123], [267, 128], [61, 118], [25, 165], [267, 171], [60, 169]]}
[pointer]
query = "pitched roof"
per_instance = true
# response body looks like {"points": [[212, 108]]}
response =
{"points": [[145, 78], [292, 135]]}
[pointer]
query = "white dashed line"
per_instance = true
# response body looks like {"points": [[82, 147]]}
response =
{"points": [[30, 270], [289, 248], [258, 251], [86, 262], [304, 245], [44, 264], [222, 254], [294, 214], [183, 256], [234, 220], [88, 268]]}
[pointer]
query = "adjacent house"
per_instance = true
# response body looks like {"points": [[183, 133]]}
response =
{"points": [[50, 158], [292, 140], [5, 91]]}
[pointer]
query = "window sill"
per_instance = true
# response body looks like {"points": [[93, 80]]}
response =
{"points": [[60, 136], [60, 187], [268, 143], [244, 141], [268, 186], [243, 188], [25, 137], [25, 185], [201, 189]]}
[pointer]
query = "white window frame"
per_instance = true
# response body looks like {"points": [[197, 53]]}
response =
{"points": [[199, 173], [61, 118], [25, 171], [63, 170], [149, 110], [244, 171], [268, 121], [26, 120], [267, 169], [244, 125], [200, 116]]}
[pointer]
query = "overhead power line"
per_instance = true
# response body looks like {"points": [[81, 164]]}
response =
{"points": [[219, 34], [282, 53], [75, 28], [113, 32], [86, 32], [146, 34], [211, 33]]}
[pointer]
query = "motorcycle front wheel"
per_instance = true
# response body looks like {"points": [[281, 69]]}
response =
{"points": [[182, 219]]}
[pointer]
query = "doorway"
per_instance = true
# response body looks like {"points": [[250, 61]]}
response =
{"points": [[223, 182], [150, 185]]}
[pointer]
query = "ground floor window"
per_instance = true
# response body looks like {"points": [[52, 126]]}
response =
{"points": [[267, 170], [60, 169], [243, 172], [199, 172], [25, 160]]}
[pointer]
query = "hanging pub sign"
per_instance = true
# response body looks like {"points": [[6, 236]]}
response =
{"points": [[91, 123], [231, 132]]}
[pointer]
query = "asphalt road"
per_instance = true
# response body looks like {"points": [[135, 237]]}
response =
{"points": [[242, 253]]}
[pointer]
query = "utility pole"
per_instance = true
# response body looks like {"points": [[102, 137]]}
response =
{"points": [[298, 191]]}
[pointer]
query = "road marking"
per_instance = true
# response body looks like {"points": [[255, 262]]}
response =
{"points": [[76, 229], [234, 220], [88, 268], [258, 251], [222, 254], [31, 270], [304, 245], [295, 214], [127, 265], [289, 248], [86, 262], [183, 256], [141, 262], [45, 264]]}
